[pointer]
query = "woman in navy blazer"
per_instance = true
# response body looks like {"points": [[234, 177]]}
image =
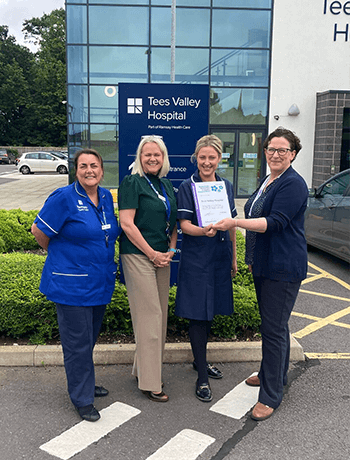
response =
{"points": [[276, 253]]}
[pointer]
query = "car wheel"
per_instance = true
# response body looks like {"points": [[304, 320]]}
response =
{"points": [[25, 170], [62, 169]]}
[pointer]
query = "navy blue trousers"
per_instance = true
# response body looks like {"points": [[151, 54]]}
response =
{"points": [[79, 328], [276, 301]]}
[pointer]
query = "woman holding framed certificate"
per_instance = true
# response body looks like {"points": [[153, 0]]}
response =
{"points": [[208, 257], [276, 253]]}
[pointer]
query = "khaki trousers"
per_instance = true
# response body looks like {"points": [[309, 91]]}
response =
{"points": [[148, 293]]}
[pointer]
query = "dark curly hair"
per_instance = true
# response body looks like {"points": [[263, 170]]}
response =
{"points": [[292, 138]]}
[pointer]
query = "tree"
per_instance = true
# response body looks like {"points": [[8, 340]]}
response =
{"points": [[48, 115], [16, 63]]}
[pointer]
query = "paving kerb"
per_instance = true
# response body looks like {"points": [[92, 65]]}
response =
{"points": [[30, 192]]}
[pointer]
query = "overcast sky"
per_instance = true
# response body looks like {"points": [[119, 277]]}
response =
{"points": [[14, 12]]}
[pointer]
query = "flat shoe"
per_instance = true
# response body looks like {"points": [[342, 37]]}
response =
{"points": [[261, 412], [161, 397], [213, 372], [253, 381], [100, 392], [203, 392], [88, 413]]}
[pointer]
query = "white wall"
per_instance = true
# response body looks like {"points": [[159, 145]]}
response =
{"points": [[306, 60]]}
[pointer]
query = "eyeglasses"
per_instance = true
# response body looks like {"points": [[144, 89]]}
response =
{"points": [[281, 152], [151, 135]]}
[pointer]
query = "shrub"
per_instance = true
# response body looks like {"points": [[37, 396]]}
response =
{"points": [[15, 232], [25, 312]]}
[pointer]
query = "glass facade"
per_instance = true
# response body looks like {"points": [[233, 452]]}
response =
{"points": [[223, 43]]}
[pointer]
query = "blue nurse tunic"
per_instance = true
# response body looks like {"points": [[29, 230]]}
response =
{"points": [[204, 275]]}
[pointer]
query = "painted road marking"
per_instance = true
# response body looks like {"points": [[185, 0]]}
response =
{"points": [[85, 433], [328, 355], [238, 401], [316, 318], [322, 322], [187, 444], [321, 294]]}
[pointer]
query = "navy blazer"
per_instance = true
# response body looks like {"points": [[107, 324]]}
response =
{"points": [[281, 252]]}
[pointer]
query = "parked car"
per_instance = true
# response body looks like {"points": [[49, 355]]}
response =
{"points": [[31, 162], [61, 155], [4, 158], [327, 218]]}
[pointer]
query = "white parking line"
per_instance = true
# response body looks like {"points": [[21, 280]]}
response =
{"points": [[238, 401], [85, 433], [187, 444]]}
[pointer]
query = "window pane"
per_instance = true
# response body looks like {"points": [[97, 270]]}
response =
{"points": [[77, 1], [76, 24], [77, 104], [122, 2], [238, 106], [77, 68], [241, 28], [103, 104], [239, 68], [160, 65], [118, 25], [183, 2], [192, 27], [104, 140], [160, 35], [112, 64], [77, 139], [244, 3], [191, 66]]}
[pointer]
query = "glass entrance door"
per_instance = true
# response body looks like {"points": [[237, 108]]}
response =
{"points": [[241, 160]]}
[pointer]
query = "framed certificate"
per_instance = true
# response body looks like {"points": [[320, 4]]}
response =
{"points": [[211, 202]]}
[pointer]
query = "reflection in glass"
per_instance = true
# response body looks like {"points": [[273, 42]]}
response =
{"points": [[239, 67], [77, 106], [77, 68], [104, 140], [160, 35], [249, 162], [160, 65], [109, 64], [104, 104], [244, 3], [76, 24], [191, 66], [192, 27], [183, 2], [227, 164], [118, 25], [241, 28], [230, 106], [78, 138]]}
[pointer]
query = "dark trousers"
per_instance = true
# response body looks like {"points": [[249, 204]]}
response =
{"points": [[276, 301], [79, 328]]}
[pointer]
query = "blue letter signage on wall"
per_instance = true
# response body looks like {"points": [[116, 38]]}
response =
{"points": [[178, 113]]}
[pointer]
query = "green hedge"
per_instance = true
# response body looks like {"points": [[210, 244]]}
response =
{"points": [[25, 312], [15, 232]]}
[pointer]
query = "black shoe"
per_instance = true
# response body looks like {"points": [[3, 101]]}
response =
{"points": [[213, 372], [100, 391], [88, 413], [203, 392]]}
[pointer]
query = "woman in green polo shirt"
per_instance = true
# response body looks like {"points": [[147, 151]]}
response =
{"points": [[147, 212]]}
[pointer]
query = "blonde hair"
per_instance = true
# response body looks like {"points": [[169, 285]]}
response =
{"points": [[137, 168], [210, 140]]}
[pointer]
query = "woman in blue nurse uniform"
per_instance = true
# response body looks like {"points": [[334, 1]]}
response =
{"points": [[208, 262], [78, 227]]}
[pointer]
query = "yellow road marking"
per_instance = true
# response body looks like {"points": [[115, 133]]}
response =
{"points": [[316, 318], [325, 295], [312, 278], [328, 355], [321, 323]]}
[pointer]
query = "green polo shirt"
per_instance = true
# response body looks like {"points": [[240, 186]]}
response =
{"points": [[150, 218]]}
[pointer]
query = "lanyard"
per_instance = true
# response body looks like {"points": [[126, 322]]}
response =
{"points": [[104, 225], [165, 200], [261, 189]]}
